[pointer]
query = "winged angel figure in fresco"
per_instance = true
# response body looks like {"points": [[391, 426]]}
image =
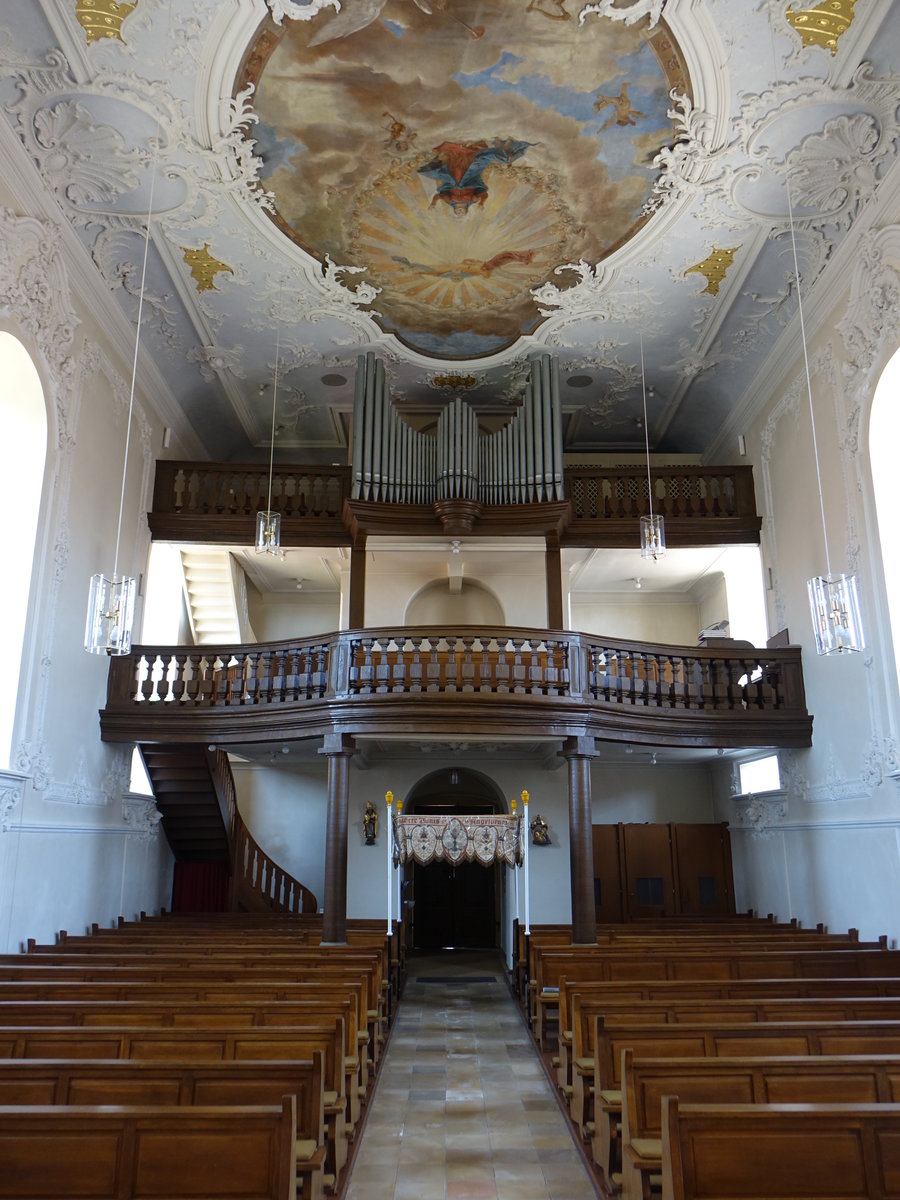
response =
{"points": [[459, 170], [360, 14]]}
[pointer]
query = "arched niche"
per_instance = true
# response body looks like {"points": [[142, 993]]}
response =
{"points": [[439, 603]]}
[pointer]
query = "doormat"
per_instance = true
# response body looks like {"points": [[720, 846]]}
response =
{"points": [[456, 979]]}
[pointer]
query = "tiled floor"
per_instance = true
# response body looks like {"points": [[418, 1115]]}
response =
{"points": [[463, 1110]]}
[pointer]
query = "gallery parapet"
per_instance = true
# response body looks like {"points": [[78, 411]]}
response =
{"points": [[494, 680], [216, 503]]}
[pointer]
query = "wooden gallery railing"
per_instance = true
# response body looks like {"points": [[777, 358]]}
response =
{"points": [[498, 681], [218, 502]]}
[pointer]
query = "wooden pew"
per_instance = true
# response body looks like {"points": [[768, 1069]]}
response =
{"points": [[706, 962], [594, 995], [109, 1152], [808, 1080], [764, 1040], [123, 1082], [780, 1151], [708, 1011], [239, 966], [191, 1046]]}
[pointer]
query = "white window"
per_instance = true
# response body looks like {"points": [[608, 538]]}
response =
{"points": [[760, 775]]}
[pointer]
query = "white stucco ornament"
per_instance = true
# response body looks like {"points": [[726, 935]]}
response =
{"points": [[299, 12], [637, 10]]}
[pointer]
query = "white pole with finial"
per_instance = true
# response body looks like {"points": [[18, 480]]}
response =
{"points": [[389, 800], [527, 878]]}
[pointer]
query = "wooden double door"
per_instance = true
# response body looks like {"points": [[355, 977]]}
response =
{"points": [[454, 906]]}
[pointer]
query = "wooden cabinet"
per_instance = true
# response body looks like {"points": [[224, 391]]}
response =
{"points": [[661, 870]]}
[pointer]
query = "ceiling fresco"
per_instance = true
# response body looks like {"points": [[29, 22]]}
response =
{"points": [[461, 155], [456, 186]]}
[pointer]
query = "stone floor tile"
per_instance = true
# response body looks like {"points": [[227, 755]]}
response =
{"points": [[463, 1110]]}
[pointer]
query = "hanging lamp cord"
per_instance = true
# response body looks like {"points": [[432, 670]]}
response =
{"points": [[644, 398], [274, 402]]}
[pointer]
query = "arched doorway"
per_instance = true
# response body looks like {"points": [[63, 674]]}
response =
{"points": [[454, 906]]}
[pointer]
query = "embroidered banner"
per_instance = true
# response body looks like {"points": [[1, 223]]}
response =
{"points": [[458, 839]]}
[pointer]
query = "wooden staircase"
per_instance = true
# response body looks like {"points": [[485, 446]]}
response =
{"points": [[197, 804], [194, 791]]}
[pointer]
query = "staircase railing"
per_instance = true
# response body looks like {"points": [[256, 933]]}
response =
{"points": [[260, 884]]}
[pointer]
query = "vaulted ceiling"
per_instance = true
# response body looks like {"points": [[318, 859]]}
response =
{"points": [[459, 185]]}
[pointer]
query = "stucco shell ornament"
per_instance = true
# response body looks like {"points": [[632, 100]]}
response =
{"points": [[461, 154]]}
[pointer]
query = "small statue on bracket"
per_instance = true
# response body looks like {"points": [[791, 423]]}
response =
{"points": [[370, 823], [540, 831]]}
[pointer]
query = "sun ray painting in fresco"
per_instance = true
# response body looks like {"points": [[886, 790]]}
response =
{"points": [[461, 152]]}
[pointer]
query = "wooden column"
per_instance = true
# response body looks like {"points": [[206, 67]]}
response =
{"points": [[578, 752], [338, 749], [553, 570], [357, 613]]}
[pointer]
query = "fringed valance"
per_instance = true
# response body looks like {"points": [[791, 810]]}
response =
{"points": [[458, 839]]}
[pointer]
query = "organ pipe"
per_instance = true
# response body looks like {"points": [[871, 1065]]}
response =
{"points": [[520, 463]]}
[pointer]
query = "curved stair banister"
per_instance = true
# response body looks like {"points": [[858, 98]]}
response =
{"points": [[260, 885], [539, 682], [194, 789]]}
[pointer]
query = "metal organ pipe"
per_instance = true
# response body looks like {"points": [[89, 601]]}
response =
{"points": [[520, 463]]}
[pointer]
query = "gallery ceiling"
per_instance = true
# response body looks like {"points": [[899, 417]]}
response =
{"points": [[459, 185]]}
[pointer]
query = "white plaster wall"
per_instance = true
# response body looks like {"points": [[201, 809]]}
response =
{"points": [[303, 614], [517, 580], [284, 808], [640, 617], [72, 850], [645, 793], [829, 848]]}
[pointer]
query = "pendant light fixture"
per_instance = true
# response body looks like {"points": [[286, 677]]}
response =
{"points": [[833, 601], [653, 527], [268, 523], [110, 612]]}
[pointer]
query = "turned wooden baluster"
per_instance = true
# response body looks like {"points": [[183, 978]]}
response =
{"points": [[320, 677], [451, 682], [467, 668], [485, 666], [415, 667], [433, 668], [145, 678], [551, 669], [382, 668], [502, 671], [399, 670], [518, 667], [366, 670]]}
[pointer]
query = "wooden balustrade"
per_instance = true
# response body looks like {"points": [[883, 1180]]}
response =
{"points": [[535, 681], [217, 503], [259, 884]]}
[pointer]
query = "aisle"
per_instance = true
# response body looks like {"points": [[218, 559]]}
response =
{"points": [[463, 1110]]}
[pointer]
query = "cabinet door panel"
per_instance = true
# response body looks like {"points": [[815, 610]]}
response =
{"points": [[703, 860], [649, 880]]}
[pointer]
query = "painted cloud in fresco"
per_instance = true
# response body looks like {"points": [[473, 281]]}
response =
{"points": [[461, 156]]}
